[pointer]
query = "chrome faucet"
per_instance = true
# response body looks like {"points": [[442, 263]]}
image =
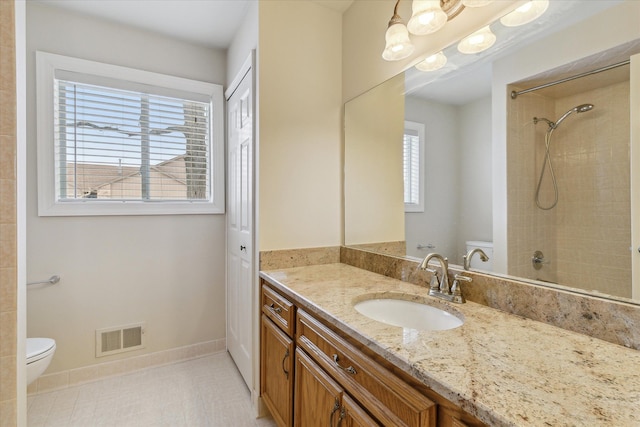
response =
{"points": [[467, 258], [436, 285], [440, 288]]}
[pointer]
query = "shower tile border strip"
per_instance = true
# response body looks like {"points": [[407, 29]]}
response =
{"points": [[77, 376]]}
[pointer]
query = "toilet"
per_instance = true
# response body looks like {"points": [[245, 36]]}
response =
{"points": [[39, 354], [476, 262]]}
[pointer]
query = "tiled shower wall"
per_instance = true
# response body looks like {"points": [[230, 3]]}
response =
{"points": [[586, 237], [8, 243], [530, 228], [594, 220]]}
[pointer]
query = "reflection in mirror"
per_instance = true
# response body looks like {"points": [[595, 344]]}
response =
{"points": [[569, 145], [583, 242], [374, 201]]}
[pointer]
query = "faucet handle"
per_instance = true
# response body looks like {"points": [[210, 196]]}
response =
{"points": [[455, 288], [435, 282]]}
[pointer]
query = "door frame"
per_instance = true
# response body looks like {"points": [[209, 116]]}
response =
{"points": [[21, 210], [249, 67], [634, 102]]}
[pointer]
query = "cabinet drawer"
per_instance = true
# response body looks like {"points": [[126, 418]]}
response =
{"points": [[278, 309], [389, 399]]}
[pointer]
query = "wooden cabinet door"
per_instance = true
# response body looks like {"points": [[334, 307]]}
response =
{"points": [[276, 372], [386, 397], [318, 397], [352, 415]]}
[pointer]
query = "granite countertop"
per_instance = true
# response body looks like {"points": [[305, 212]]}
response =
{"points": [[504, 369]]}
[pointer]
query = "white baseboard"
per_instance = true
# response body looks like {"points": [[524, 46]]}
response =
{"points": [[77, 376]]}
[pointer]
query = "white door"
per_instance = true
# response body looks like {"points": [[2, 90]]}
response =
{"points": [[635, 175], [240, 242]]}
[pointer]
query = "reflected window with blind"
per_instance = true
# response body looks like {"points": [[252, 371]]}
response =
{"points": [[150, 142], [413, 166]]}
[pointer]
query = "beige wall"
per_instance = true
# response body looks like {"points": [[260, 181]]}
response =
{"points": [[166, 270], [300, 112], [373, 175], [8, 220]]}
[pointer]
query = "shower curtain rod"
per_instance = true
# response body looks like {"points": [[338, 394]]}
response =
{"points": [[515, 94]]}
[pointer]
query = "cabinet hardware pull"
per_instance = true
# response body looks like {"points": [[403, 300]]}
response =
{"points": [[336, 406], [349, 369], [342, 416], [276, 309], [286, 373]]}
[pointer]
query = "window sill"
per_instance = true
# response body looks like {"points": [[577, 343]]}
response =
{"points": [[108, 207]]}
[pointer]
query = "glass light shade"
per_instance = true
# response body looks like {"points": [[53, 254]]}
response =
{"points": [[476, 3], [428, 17], [481, 40], [433, 62], [398, 44], [525, 13]]}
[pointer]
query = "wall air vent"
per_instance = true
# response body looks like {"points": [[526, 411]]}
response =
{"points": [[120, 339]]}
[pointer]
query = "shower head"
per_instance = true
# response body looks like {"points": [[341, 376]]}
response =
{"points": [[584, 107], [579, 109]]}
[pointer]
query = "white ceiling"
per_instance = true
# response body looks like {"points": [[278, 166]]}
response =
{"points": [[211, 23]]}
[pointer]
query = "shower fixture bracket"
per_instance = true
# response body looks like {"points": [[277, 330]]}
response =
{"points": [[538, 259]]}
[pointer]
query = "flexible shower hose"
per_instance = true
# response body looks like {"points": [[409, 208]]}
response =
{"points": [[547, 159]]}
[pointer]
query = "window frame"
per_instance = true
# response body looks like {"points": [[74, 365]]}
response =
{"points": [[420, 129], [47, 65]]}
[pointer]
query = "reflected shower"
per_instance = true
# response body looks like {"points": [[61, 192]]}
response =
{"points": [[547, 157]]}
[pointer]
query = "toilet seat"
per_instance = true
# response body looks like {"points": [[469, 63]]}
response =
{"points": [[39, 348]]}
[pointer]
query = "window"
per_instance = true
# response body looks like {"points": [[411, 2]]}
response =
{"points": [[413, 160], [118, 141]]}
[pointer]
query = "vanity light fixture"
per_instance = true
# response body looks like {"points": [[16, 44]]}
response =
{"points": [[525, 13], [476, 3], [398, 46], [433, 62], [479, 41], [428, 17]]}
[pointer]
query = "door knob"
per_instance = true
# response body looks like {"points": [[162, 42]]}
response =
{"points": [[243, 248]]}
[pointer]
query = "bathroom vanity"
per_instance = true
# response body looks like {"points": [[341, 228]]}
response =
{"points": [[323, 363]]}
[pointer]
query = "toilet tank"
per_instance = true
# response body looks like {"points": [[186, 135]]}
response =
{"points": [[487, 247]]}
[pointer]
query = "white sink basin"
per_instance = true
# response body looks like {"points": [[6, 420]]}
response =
{"points": [[408, 314]]}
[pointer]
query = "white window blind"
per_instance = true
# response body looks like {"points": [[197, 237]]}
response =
{"points": [[413, 167], [116, 144], [119, 141]]}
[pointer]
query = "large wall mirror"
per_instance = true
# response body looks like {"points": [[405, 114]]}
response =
{"points": [[484, 177]]}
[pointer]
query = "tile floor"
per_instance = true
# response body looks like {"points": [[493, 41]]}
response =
{"points": [[202, 392]]}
